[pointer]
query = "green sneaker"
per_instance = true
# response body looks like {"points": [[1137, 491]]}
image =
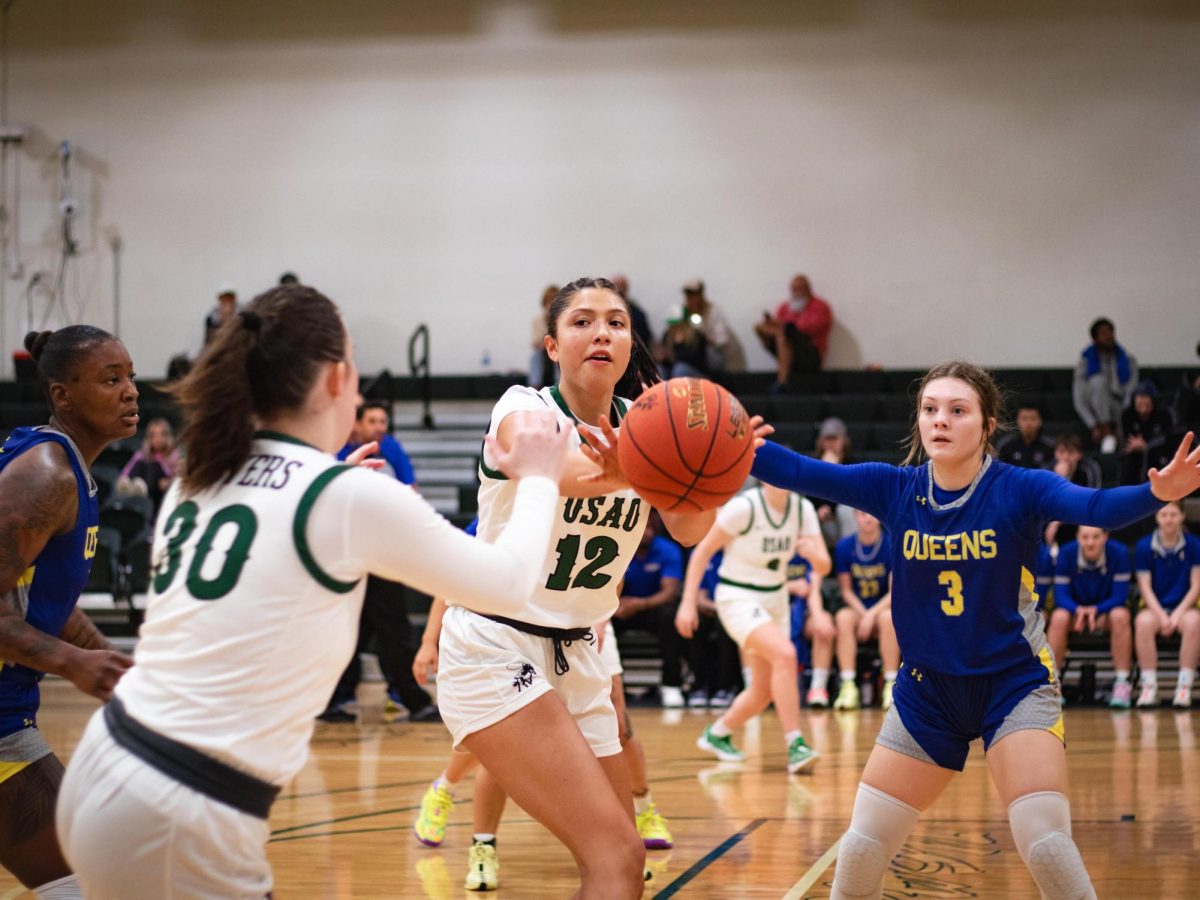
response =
{"points": [[800, 755], [720, 747]]}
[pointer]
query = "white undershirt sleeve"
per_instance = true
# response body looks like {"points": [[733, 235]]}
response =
{"points": [[364, 523], [810, 524]]}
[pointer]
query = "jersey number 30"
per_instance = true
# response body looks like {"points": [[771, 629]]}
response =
{"points": [[183, 517], [952, 582], [600, 550]]}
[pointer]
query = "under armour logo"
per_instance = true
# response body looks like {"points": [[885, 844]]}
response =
{"points": [[921, 499], [915, 674]]}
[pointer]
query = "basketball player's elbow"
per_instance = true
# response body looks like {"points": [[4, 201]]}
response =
{"points": [[688, 529]]}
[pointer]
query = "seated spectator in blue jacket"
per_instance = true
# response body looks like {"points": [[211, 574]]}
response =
{"points": [[649, 599], [1167, 565], [1091, 590], [371, 424], [1105, 377], [1027, 446], [1147, 427]]}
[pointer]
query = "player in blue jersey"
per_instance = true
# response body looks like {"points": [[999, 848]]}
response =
{"points": [[49, 526], [1167, 566], [965, 529], [863, 562], [1091, 594]]}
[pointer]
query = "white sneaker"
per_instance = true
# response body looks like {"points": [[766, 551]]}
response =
{"points": [[1183, 696], [1148, 695], [672, 697]]}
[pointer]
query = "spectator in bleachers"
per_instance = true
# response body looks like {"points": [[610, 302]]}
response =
{"points": [[1105, 377], [152, 466], [1167, 566], [649, 598], [1187, 401], [834, 446], [698, 341], [863, 565], [1071, 464], [224, 311], [1146, 428], [384, 614], [797, 334], [1091, 593], [289, 278], [712, 654], [1027, 446], [541, 367], [637, 315]]}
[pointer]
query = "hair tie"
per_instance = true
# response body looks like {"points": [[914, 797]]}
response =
{"points": [[251, 320]]}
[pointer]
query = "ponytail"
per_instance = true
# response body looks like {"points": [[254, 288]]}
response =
{"points": [[262, 362]]}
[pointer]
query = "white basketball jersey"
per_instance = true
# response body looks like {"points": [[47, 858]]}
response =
{"points": [[593, 539], [276, 644], [765, 539]]}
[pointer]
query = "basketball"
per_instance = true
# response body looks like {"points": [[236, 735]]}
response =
{"points": [[686, 445]]}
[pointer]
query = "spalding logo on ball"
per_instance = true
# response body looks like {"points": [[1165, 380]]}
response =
{"points": [[686, 445]]}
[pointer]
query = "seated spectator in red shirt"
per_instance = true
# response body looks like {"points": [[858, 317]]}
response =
{"points": [[1146, 427], [797, 335], [1027, 446]]}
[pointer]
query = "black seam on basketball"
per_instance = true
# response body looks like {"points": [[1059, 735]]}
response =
{"points": [[712, 441], [627, 430], [736, 462]]}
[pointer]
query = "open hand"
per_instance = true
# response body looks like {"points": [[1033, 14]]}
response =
{"points": [[1181, 475]]}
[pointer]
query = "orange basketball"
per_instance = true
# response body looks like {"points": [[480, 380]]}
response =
{"points": [[686, 445]]}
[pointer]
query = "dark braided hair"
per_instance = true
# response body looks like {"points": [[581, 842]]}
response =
{"points": [[642, 369], [57, 354], [261, 363]]}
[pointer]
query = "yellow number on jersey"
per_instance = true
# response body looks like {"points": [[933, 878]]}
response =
{"points": [[952, 582]]}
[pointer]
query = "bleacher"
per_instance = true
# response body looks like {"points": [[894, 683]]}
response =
{"points": [[877, 407]]}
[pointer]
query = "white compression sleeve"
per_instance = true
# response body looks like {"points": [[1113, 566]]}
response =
{"points": [[363, 523], [1041, 828], [878, 828]]}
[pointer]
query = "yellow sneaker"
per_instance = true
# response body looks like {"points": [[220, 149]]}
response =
{"points": [[848, 697], [483, 873], [430, 827], [652, 828], [886, 700]]}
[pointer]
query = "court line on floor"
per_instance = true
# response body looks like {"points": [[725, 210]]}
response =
{"points": [[708, 859], [815, 871]]}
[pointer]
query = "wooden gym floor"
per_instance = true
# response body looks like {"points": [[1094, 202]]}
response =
{"points": [[343, 828]]}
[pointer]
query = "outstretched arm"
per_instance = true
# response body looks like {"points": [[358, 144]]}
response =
{"points": [[862, 486]]}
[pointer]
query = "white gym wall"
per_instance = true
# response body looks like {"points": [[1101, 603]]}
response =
{"points": [[968, 178]]}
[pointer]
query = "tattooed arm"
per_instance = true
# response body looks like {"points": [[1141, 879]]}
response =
{"points": [[80, 631], [38, 500]]}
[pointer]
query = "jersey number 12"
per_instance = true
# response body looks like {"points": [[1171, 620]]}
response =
{"points": [[601, 550]]}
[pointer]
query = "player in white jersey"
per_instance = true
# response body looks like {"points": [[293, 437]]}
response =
{"points": [[528, 693], [759, 530], [261, 555]]}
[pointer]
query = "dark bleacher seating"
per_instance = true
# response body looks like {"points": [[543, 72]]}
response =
{"points": [[857, 407]]}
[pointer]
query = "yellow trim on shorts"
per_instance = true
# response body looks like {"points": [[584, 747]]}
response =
{"points": [[9, 769], [26, 578], [1059, 728]]}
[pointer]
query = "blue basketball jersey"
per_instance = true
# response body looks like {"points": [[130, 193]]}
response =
{"points": [[1103, 584], [868, 566], [47, 592]]}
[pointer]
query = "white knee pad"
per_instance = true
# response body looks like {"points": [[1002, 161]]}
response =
{"points": [[878, 827], [1041, 828], [66, 888]]}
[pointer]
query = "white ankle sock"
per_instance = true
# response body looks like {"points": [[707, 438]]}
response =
{"points": [[642, 803], [1187, 676], [820, 679], [719, 728], [848, 675]]}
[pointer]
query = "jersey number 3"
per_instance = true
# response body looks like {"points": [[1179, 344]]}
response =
{"points": [[952, 582], [600, 550], [183, 517]]}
